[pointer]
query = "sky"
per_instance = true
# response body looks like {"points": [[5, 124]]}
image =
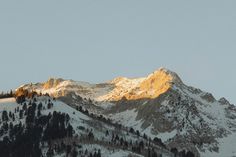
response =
{"points": [[96, 41]]}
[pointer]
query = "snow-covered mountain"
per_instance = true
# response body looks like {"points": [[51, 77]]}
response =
{"points": [[34, 128], [146, 87], [159, 105]]}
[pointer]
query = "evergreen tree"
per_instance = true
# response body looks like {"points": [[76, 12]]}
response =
{"points": [[13, 117], [40, 106], [39, 113], [174, 151], [131, 130], [5, 126], [107, 133], [21, 114], [24, 107], [99, 153], [4, 116], [90, 135], [69, 131]]}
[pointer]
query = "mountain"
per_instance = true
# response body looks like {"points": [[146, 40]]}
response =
{"points": [[151, 86], [44, 126], [159, 105]]}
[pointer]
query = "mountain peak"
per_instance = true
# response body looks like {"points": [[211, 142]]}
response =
{"points": [[166, 74], [52, 82], [155, 84]]}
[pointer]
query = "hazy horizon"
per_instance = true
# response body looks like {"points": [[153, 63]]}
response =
{"points": [[96, 41]]}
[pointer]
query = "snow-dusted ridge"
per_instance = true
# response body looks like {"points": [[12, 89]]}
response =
{"points": [[159, 105], [151, 86]]}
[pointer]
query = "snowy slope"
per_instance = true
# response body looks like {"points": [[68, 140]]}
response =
{"points": [[184, 115], [7, 104], [159, 105], [78, 120]]}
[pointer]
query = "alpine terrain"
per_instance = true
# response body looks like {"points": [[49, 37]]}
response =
{"points": [[153, 116]]}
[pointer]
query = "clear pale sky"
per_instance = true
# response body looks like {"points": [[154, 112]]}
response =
{"points": [[96, 41]]}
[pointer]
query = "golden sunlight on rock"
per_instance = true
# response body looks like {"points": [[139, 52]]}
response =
{"points": [[52, 83], [151, 86]]}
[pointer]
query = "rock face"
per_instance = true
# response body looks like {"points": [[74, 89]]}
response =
{"points": [[52, 83], [150, 87], [158, 105]]}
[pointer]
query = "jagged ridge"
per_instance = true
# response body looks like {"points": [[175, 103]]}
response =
{"points": [[159, 105]]}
